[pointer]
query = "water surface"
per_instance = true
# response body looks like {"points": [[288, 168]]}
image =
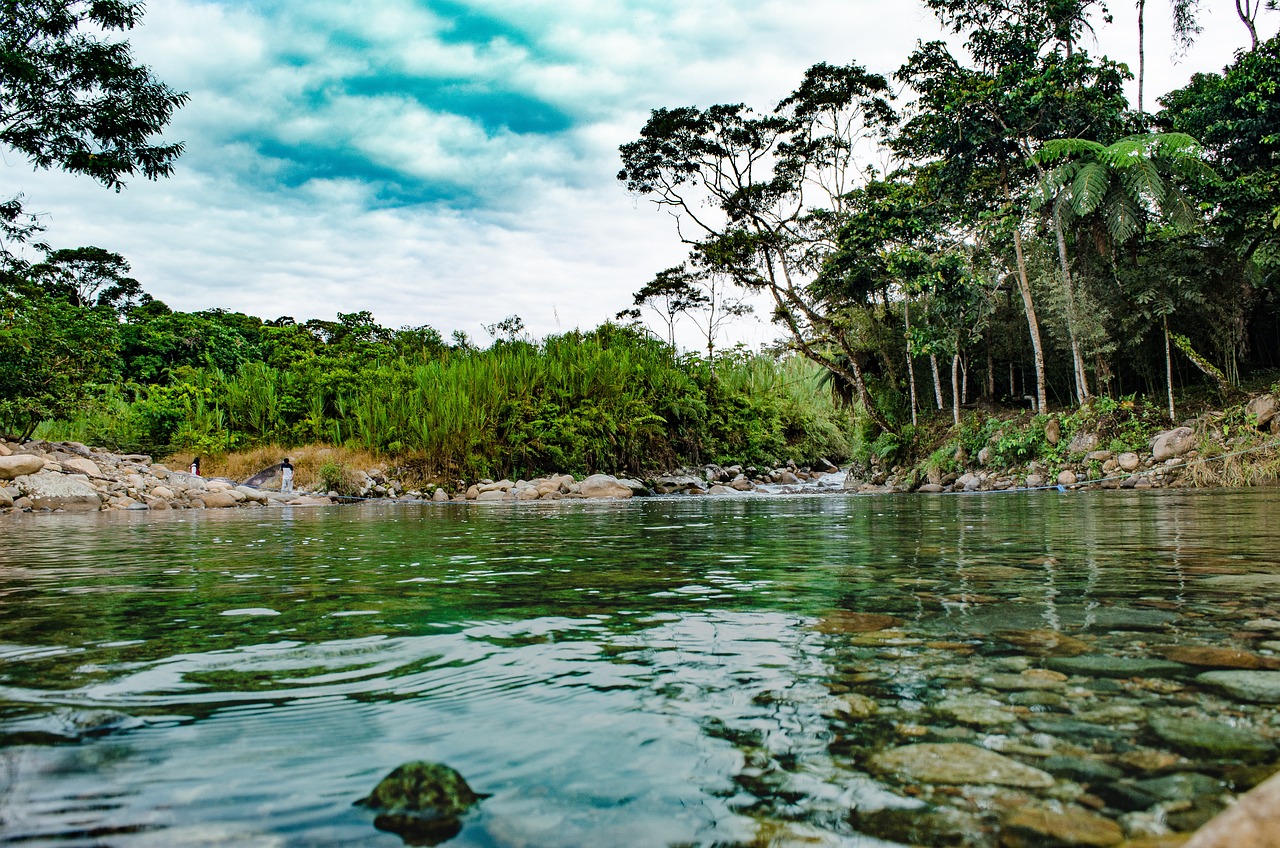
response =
{"points": [[656, 673]]}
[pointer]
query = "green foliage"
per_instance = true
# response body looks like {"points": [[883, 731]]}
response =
{"points": [[608, 400], [70, 98], [54, 359]]}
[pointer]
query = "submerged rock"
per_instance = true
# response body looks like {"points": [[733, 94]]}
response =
{"points": [[932, 826], [1262, 687], [1210, 739], [954, 762], [423, 802], [1105, 665], [1070, 827]]}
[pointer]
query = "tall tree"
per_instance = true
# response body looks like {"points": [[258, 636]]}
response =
{"points": [[984, 122], [758, 196], [1123, 186], [670, 294], [73, 99]]}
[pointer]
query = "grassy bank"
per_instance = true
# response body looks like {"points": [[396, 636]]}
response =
{"points": [[612, 400]]}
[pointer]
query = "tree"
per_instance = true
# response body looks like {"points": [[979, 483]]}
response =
{"points": [[72, 99], [670, 294], [88, 276], [1236, 116], [52, 353], [1123, 185], [758, 196], [983, 123]]}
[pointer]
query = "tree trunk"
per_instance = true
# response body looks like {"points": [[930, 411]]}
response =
{"points": [[1024, 288], [1168, 369], [937, 380], [955, 388], [991, 371], [1142, 53], [911, 369], [1082, 380], [1248, 10]]}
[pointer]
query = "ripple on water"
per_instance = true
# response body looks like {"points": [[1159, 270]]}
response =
{"points": [[676, 672]]}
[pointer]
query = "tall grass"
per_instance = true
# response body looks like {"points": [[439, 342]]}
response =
{"points": [[608, 400]]}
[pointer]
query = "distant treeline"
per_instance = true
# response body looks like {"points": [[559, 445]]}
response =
{"points": [[133, 375]]}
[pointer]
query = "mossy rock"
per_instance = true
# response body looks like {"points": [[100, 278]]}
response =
{"points": [[422, 802]]}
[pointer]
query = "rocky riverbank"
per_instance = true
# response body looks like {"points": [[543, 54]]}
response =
{"points": [[41, 476], [72, 477]]}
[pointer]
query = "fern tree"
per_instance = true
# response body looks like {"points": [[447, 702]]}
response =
{"points": [[1120, 187]]}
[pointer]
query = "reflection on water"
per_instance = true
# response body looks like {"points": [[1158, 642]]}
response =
{"points": [[664, 672]]}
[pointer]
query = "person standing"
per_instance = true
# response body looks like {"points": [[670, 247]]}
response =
{"points": [[195, 466], [286, 475]]}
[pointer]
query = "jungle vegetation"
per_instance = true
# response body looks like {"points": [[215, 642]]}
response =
{"points": [[1027, 239]]}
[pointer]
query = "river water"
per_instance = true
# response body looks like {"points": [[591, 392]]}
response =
{"points": [[661, 672]]}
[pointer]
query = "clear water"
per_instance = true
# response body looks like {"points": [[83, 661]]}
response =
{"points": [[655, 673]]}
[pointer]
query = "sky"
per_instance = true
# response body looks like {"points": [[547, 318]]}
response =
{"points": [[453, 162]]}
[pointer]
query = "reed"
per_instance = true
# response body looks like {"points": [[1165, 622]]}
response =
{"points": [[608, 400]]}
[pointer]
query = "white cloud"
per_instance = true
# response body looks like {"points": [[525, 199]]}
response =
{"points": [[279, 206]]}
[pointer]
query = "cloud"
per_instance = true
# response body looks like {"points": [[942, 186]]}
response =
{"points": [[444, 161]]}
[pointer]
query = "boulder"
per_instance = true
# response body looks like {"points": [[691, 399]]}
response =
{"points": [[1083, 443], [1053, 432], [1253, 821], [440, 496], [162, 492], [1129, 461], [785, 477], [493, 495], [249, 494], [676, 483], [80, 465], [422, 802], [47, 490], [218, 486], [637, 488], [603, 486], [1172, 443], [218, 500], [6, 501], [499, 486], [4, 449], [1067, 477], [1263, 409], [16, 465]]}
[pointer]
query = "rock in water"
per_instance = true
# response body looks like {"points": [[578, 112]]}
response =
{"points": [[956, 763], [422, 802], [1210, 739], [1260, 687]]}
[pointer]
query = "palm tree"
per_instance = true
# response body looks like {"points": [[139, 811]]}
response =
{"points": [[1121, 186]]}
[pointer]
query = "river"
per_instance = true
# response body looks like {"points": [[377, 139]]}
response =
{"points": [[659, 672]]}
